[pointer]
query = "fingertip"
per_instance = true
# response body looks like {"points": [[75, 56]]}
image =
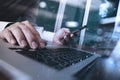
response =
{"points": [[72, 35], [65, 37], [23, 43], [42, 45], [66, 30], [12, 41], [34, 45]]}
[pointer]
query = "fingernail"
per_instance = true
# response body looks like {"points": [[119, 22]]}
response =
{"points": [[12, 41], [23, 43], [34, 45], [71, 35]]}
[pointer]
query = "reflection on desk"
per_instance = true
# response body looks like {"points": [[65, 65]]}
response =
{"points": [[103, 69]]}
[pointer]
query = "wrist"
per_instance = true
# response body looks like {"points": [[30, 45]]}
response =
{"points": [[9, 24]]}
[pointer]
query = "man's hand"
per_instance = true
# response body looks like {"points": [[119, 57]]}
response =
{"points": [[61, 35], [24, 34]]}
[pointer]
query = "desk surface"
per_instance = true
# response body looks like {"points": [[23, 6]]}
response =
{"points": [[104, 68]]}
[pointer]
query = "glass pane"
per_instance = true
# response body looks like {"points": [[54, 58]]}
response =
{"points": [[73, 17], [47, 14], [100, 26]]}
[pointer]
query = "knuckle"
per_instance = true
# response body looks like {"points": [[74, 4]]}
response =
{"points": [[17, 23], [14, 26], [64, 28], [12, 29], [37, 33], [25, 28], [27, 22], [6, 31]]}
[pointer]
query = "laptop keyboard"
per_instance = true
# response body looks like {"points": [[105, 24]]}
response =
{"points": [[57, 58]]}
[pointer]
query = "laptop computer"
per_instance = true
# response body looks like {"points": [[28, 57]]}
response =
{"points": [[52, 63]]}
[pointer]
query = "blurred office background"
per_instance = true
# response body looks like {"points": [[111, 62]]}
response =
{"points": [[56, 14]]}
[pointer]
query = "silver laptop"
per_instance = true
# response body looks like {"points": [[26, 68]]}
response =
{"points": [[53, 62]]}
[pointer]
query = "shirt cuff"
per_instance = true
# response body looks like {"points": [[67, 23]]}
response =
{"points": [[48, 36], [3, 25], [45, 35]]}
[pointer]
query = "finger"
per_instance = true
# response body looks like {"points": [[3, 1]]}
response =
{"points": [[58, 42], [66, 33], [30, 36], [42, 43], [27, 23], [18, 34], [72, 36], [34, 31], [66, 30], [66, 38], [8, 36]]}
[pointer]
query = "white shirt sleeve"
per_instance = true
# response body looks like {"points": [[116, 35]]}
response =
{"points": [[45, 35], [3, 25]]}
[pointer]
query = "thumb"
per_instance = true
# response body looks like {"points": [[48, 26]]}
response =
{"points": [[58, 42]]}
